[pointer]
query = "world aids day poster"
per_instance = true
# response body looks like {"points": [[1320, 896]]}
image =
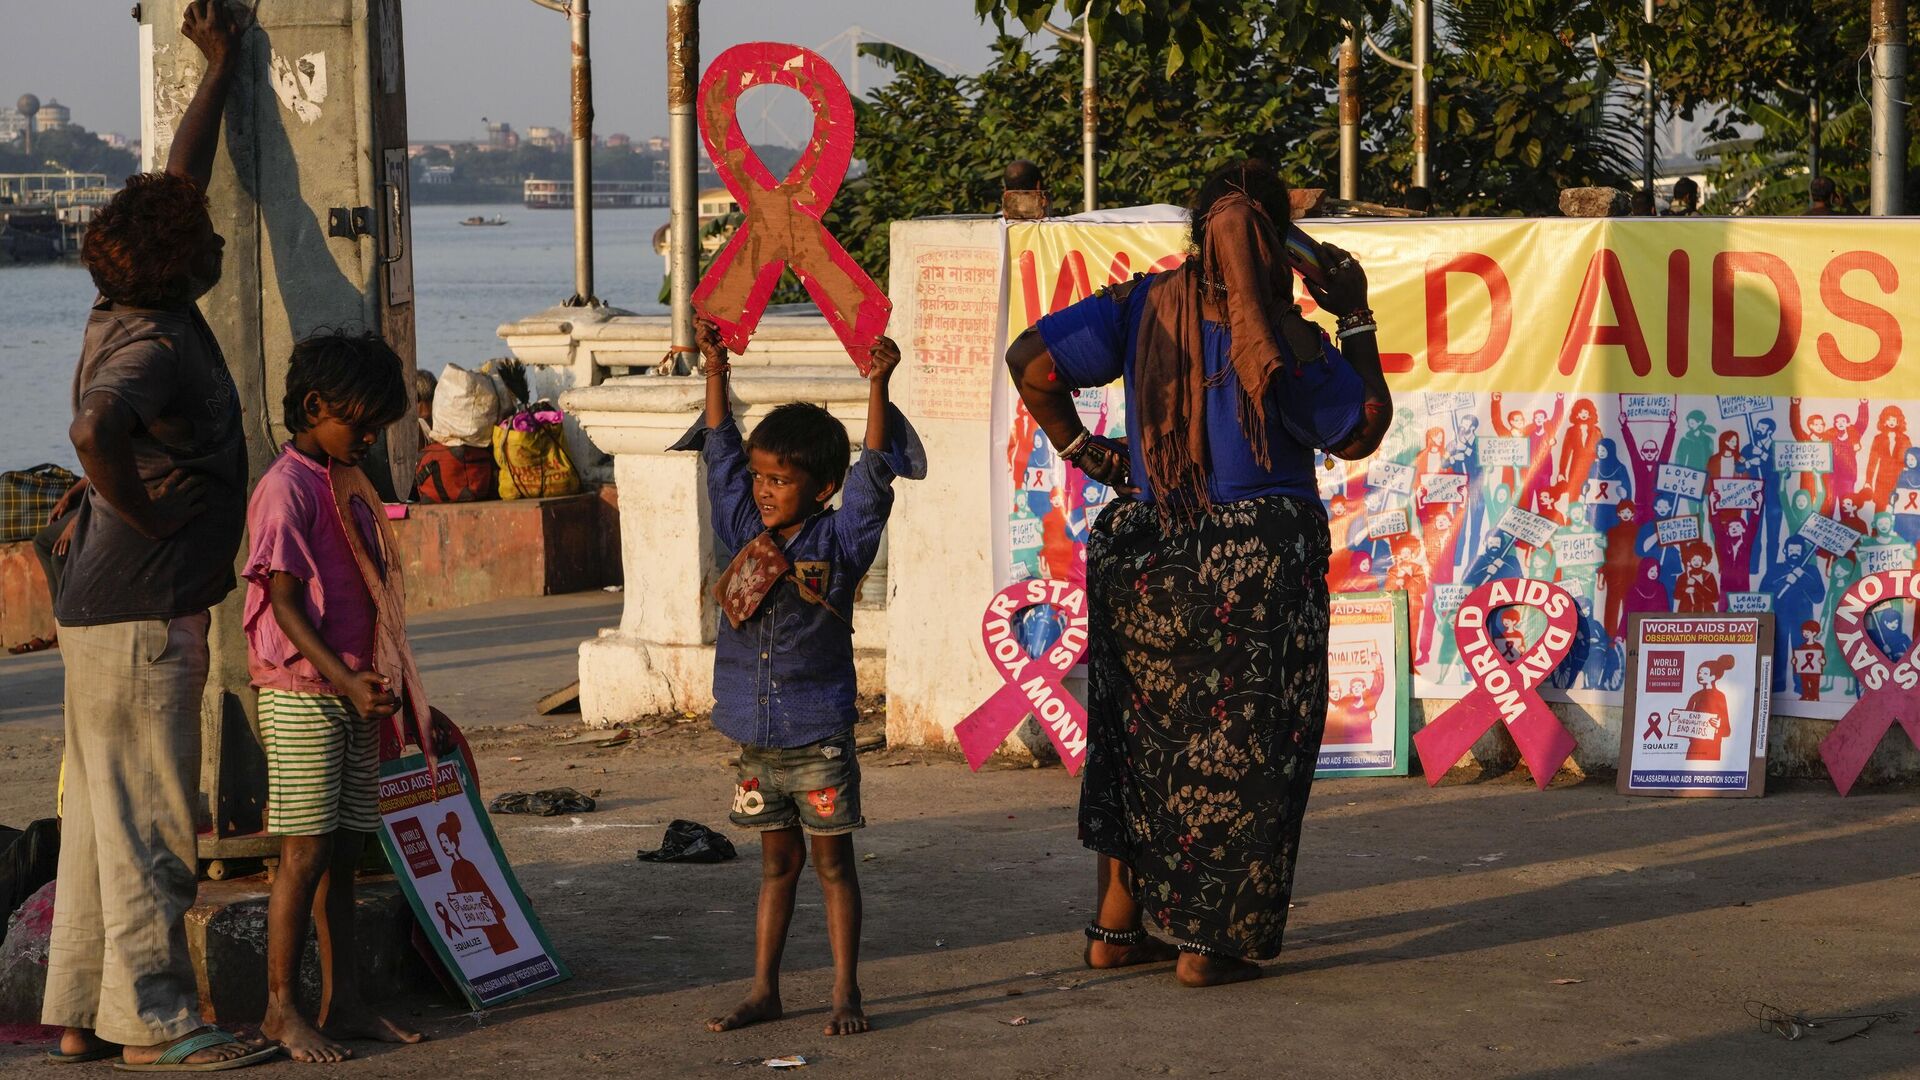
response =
{"points": [[1659, 417], [1367, 687], [442, 847], [1696, 713]]}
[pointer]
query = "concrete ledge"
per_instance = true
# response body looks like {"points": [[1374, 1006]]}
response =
{"points": [[26, 610], [469, 553]]}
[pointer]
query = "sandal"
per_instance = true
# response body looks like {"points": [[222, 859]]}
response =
{"points": [[174, 1058], [97, 1053], [34, 644]]}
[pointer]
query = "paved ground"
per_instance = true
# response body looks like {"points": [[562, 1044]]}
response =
{"points": [[1484, 930]]}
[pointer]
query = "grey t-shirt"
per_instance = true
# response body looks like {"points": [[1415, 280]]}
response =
{"points": [[166, 367]]}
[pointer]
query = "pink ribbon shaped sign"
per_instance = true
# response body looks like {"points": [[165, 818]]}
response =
{"points": [[782, 226], [1033, 682], [1504, 689], [1886, 684]]}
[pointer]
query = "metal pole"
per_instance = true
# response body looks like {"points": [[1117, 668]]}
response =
{"points": [[683, 196], [1422, 52], [1814, 119], [1350, 116], [1648, 117], [582, 160], [1089, 112], [1887, 43]]}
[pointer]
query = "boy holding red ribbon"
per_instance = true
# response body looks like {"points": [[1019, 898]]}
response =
{"points": [[783, 678]]}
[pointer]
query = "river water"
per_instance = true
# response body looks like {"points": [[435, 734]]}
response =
{"points": [[467, 281]]}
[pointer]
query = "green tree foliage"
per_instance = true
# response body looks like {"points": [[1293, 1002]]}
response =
{"points": [[1517, 108]]}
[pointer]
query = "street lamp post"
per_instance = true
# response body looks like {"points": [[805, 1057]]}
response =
{"points": [[582, 128], [1887, 46], [1089, 109], [683, 197]]}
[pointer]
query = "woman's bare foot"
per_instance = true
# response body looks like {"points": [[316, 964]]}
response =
{"points": [[364, 1023], [301, 1040], [1197, 970], [147, 1055], [757, 1009], [1102, 955], [849, 1018], [77, 1041]]}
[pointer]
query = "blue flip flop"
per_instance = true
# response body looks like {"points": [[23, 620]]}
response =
{"points": [[175, 1057]]}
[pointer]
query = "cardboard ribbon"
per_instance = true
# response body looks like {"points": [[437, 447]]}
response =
{"points": [[1503, 689], [782, 226], [1886, 684], [1033, 683]]}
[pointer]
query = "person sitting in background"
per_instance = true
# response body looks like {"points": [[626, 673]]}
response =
{"points": [[1641, 205], [1824, 197], [423, 386], [1023, 194], [1686, 198]]}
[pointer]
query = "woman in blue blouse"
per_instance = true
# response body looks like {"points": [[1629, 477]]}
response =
{"points": [[1207, 584]]}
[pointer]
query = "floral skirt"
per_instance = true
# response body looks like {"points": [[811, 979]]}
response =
{"points": [[1207, 700]]}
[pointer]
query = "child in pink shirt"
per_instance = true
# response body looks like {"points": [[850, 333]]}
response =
{"points": [[310, 629]]}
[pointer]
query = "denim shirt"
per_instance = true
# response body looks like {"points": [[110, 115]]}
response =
{"points": [[785, 677]]}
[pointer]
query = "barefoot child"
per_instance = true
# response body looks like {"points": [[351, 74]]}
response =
{"points": [[310, 637], [783, 674]]}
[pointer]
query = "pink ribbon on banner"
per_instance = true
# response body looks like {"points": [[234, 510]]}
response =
{"points": [[1033, 683], [1886, 684], [782, 226], [1503, 689]]}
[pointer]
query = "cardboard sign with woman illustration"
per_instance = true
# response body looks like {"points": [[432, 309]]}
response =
{"points": [[1695, 720], [449, 863]]}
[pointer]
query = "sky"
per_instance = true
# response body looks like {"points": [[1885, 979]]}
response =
{"points": [[502, 59]]}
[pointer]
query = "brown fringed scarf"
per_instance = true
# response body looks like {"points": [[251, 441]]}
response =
{"points": [[1170, 382]]}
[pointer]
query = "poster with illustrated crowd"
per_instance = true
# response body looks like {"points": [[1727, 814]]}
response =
{"points": [[1658, 416]]}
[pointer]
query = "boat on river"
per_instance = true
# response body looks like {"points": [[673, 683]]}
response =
{"points": [[479, 220]]}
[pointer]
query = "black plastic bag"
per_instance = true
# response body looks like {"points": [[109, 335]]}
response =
{"points": [[545, 803], [28, 860], [690, 842]]}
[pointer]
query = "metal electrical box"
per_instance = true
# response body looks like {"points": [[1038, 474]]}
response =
{"points": [[310, 191]]}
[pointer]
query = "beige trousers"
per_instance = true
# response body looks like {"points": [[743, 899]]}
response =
{"points": [[118, 960]]}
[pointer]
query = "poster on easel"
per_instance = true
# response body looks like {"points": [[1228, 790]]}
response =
{"points": [[1367, 686], [444, 851], [1697, 705]]}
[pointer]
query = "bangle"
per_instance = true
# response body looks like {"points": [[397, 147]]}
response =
{"points": [[1076, 444], [1356, 317], [1356, 330]]}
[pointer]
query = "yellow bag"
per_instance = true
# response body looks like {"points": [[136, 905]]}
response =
{"points": [[533, 462]]}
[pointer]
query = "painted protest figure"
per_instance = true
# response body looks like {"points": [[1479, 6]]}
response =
{"points": [[1906, 498], [1886, 457], [1608, 484], [1757, 460], [1797, 591]]}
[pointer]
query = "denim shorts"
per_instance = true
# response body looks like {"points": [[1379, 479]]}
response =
{"points": [[816, 787]]}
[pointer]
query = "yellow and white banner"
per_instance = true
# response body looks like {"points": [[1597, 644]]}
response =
{"points": [[1658, 414]]}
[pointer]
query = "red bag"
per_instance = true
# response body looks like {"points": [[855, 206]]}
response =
{"points": [[450, 474]]}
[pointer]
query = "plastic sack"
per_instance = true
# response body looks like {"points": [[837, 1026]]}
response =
{"points": [[466, 406], [690, 842], [451, 474], [531, 454]]}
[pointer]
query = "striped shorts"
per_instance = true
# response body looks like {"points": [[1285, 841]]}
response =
{"points": [[323, 765]]}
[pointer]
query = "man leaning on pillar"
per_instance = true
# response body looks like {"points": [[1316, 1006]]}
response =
{"points": [[157, 427]]}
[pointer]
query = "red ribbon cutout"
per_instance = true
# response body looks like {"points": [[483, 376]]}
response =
{"points": [[1033, 683], [1503, 690], [782, 225], [1884, 682]]}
